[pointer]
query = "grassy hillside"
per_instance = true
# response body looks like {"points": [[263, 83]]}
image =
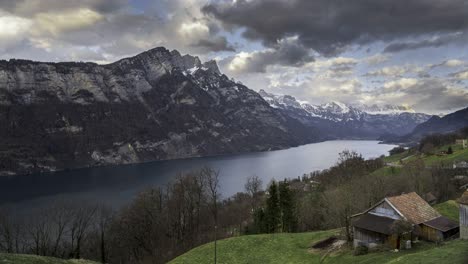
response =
{"points": [[458, 154], [449, 209], [265, 248], [295, 248], [33, 259]]}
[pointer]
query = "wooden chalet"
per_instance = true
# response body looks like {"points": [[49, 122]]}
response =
{"points": [[463, 201], [377, 225]]}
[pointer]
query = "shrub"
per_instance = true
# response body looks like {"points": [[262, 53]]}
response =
{"points": [[360, 250], [397, 150]]}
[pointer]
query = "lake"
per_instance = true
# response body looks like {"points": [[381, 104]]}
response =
{"points": [[117, 185]]}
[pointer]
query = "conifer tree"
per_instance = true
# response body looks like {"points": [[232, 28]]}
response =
{"points": [[273, 210], [288, 216]]}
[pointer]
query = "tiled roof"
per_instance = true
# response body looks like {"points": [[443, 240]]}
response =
{"points": [[413, 207], [442, 223], [375, 223], [464, 198]]}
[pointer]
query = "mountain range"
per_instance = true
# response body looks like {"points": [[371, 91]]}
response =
{"points": [[153, 106], [339, 120]]}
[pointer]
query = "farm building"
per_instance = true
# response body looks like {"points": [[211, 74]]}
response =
{"points": [[462, 142], [380, 223], [463, 201]]}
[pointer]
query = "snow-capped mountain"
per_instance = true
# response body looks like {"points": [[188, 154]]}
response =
{"points": [[386, 109], [360, 121]]}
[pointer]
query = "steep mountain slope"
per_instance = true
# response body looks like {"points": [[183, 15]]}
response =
{"points": [[339, 120], [446, 124], [156, 105]]}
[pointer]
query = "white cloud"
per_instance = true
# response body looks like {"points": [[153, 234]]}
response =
{"points": [[56, 23], [463, 75], [194, 30], [13, 30], [403, 83], [377, 59], [454, 63], [390, 71], [329, 62]]}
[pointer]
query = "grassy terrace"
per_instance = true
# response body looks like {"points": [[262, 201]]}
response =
{"points": [[458, 154]]}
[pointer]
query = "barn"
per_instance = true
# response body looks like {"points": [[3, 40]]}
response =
{"points": [[463, 201], [377, 225]]}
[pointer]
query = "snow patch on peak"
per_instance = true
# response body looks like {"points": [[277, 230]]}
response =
{"points": [[334, 111], [336, 107]]}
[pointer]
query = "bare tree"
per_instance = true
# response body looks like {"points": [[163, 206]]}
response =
{"points": [[212, 180], [105, 216], [11, 233], [82, 221], [60, 216], [253, 187]]}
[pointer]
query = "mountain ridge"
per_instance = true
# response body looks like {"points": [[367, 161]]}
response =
{"points": [[341, 120], [153, 106], [435, 125]]}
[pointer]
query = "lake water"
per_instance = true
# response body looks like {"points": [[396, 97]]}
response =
{"points": [[117, 185]]}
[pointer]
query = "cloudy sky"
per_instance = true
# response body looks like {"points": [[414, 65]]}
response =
{"points": [[412, 52]]}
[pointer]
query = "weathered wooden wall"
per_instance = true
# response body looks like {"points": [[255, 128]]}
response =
{"points": [[368, 238], [463, 221], [431, 234], [384, 209]]}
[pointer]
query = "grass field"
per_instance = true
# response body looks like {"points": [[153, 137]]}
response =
{"points": [[295, 248], [459, 154], [397, 157], [33, 259], [265, 248], [449, 209]]}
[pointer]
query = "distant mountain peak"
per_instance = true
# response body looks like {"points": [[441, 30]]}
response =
{"points": [[352, 120], [336, 106]]}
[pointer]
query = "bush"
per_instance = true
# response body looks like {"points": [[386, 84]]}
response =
{"points": [[397, 150], [449, 150], [360, 250]]}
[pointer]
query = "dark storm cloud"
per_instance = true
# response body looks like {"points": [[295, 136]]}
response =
{"points": [[214, 44], [329, 26], [427, 43], [286, 52]]}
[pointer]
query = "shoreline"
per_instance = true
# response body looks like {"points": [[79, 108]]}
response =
{"points": [[11, 174]]}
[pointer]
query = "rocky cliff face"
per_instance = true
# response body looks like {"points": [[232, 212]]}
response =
{"points": [[156, 105]]}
